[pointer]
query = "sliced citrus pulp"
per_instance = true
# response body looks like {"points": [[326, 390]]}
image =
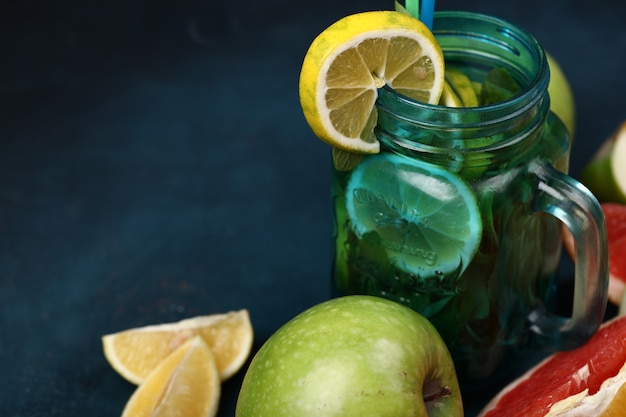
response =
{"points": [[186, 383], [462, 86], [134, 353], [615, 215], [347, 63], [568, 376], [425, 217], [609, 401]]}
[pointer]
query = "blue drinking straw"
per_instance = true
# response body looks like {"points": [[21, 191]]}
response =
{"points": [[424, 11], [427, 12]]}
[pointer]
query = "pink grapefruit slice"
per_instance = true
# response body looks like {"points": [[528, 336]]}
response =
{"points": [[590, 371], [615, 215]]}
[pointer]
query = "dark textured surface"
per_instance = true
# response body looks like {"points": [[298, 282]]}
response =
{"points": [[155, 165]]}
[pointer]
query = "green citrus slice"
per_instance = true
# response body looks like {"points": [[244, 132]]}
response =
{"points": [[426, 218]]}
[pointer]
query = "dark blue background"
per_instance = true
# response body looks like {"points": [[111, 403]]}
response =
{"points": [[155, 165]]}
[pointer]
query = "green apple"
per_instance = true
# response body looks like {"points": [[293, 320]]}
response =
{"points": [[561, 96], [353, 356]]}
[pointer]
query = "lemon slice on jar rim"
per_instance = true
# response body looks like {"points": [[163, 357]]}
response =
{"points": [[349, 61]]}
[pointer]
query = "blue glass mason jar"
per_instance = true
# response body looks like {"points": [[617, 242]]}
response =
{"points": [[459, 216]]}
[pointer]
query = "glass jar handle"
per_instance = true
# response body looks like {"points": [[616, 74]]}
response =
{"points": [[568, 200]]}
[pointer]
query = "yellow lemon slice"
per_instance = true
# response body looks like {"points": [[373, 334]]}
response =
{"points": [[134, 353], [349, 61], [449, 98], [186, 384], [462, 86]]}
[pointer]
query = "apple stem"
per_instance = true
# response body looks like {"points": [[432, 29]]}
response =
{"points": [[444, 391]]}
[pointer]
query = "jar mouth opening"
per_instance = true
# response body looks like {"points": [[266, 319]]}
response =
{"points": [[440, 115], [488, 41], [475, 43]]}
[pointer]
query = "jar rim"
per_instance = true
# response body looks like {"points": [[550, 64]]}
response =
{"points": [[500, 35], [481, 42]]}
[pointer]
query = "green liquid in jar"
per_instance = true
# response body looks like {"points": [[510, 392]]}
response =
{"points": [[477, 316]]}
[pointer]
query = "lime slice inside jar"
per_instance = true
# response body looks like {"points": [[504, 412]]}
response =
{"points": [[426, 218]]}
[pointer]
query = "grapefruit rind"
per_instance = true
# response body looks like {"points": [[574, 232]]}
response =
{"points": [[616, 290], [622, 306], [611, 395], [563, 375]]}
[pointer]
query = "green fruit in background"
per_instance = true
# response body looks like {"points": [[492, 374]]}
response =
{"points": [[605, 173], [353, 356], [561, 96]]}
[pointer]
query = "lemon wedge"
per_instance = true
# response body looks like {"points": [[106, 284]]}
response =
{"points": [[134, 353]]}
